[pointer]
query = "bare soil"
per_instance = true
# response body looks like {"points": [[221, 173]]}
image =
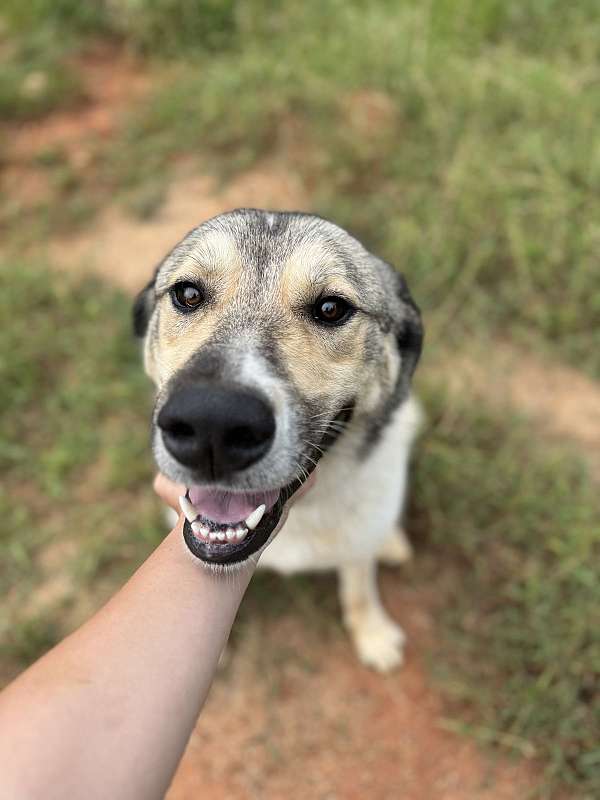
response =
{"points": [[564, 403], [294, 714], [126, 250], [316, 723]]}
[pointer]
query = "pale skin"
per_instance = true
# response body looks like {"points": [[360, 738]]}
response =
{"points": [[108, 711]]}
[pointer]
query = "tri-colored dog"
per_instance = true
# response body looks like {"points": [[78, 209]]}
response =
{"points": [[282, 352]]}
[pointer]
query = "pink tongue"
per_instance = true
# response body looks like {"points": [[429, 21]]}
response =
{"points": [[223, 506]]}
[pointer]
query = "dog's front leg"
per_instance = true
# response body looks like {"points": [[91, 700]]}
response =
{"points": [[378, 640]]}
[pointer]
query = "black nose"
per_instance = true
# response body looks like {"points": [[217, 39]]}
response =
{"points": [[216, 430]]}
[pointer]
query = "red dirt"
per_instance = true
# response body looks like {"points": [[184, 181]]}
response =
{"points": [[126, 250], [333, 730], [294, 714], [564, 403], [112, 81]]}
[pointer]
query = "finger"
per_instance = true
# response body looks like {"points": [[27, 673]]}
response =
{"points": [[168, 491]]}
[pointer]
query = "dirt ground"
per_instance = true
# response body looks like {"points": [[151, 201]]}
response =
{"points": [[310, 721], [314, 723]]}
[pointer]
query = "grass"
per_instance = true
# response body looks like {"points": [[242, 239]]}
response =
{"points": [[508, 532], [461, 147], [75, 504], [458, 139], [521, 600]]}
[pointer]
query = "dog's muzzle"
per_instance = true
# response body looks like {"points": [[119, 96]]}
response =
{"points": [[215, 431]]}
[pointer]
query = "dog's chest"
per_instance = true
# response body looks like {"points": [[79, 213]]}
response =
{"points": [[353, 506]]}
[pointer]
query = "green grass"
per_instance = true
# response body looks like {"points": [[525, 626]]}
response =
{"points": [[460, 145], [458, 139], [475, 169], [508, 531], [34, 83], [75, 503], [36, 40], [513, 531]]}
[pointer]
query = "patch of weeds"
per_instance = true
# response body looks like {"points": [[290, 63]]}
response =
{"points": [[32, 84], [74, 447], [458, 143], [144, 201], [313, 597], [31, 639], [17, 550], [514, 531], [60, 369], [174, 27], [51, 157]]}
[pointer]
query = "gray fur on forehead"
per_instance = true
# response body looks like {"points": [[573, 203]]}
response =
{"points": [[265, 239], [269, 237]]}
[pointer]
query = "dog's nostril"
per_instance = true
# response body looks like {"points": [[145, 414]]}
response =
{"points": [[243, 437], [180, 430], [216, 430]]}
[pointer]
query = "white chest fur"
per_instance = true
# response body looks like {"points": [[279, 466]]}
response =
{"points": [[355, 503]]}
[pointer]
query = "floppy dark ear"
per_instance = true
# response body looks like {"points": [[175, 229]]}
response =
{"points": [[410, 331], [142, 309]]}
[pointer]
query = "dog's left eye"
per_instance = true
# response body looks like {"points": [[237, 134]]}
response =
{"points": [[186, 296], [332, 310]]}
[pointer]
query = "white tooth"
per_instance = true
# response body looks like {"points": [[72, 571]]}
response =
{"points": [[240, 534], [213, 536], [255, 517], [188, 509], [230, 533], [199, 529], [221, 536]]}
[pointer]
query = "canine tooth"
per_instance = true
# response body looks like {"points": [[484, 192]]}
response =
{"points": [[255, 517], [187, 508], [230, 534], [241, 533]]}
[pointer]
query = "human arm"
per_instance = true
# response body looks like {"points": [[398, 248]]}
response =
{"points": [[108, 711]]}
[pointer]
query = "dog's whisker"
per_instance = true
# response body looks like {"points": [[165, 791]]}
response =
{"points": [[333, 426], [316, 446], [301, 473], [312, 461], [325, 413]]}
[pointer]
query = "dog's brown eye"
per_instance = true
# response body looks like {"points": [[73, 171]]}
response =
{"points": [[186, 296], [332, 310]]}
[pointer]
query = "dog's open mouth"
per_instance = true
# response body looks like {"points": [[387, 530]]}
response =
{"points": [[227, 527]]}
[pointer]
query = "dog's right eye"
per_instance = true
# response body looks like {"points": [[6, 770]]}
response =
{"points": [[186, 296]]}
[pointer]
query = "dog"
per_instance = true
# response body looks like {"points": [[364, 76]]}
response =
{"points": [[282, 352]]}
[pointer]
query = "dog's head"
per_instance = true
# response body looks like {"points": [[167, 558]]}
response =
{"points": [[268, 335]]}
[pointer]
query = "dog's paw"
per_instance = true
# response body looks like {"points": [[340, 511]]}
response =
{"points": [[396, 549], [380, 644]]}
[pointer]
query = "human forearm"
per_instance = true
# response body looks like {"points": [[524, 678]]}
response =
{"points": [[107, 713]]}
